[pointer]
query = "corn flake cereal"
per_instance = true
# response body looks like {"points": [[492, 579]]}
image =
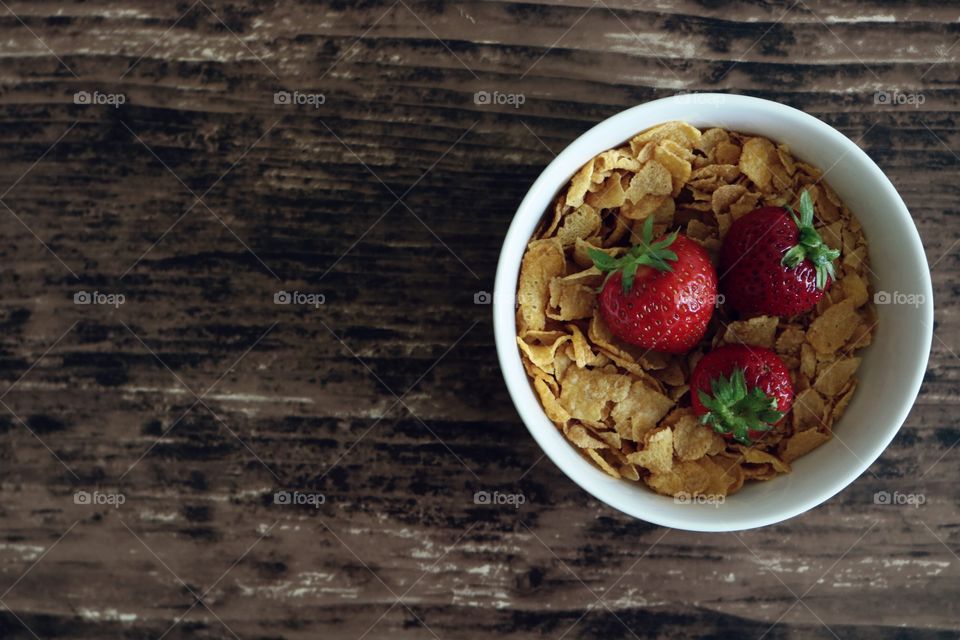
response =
{"points": [[628, 411]]}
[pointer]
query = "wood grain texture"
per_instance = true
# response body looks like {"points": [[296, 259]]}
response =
{"points": [[198, 398]]}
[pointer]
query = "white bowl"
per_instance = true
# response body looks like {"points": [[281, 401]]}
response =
{"points": [[892, 368]]}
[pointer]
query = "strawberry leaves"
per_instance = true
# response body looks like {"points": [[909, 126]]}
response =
{"points": [[648, 253], [810, 246], [735, 409]]}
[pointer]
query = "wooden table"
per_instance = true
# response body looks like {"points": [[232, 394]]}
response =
{"points": [[147, 153]]}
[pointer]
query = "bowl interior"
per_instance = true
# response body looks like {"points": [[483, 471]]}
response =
{"points": [[892, 367]]}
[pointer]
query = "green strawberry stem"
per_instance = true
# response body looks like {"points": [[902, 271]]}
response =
{"points": [[649, 253], [810, 245], [735, 410]]}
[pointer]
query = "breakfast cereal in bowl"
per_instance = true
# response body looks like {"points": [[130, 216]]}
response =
{"points": [[691, 307]]}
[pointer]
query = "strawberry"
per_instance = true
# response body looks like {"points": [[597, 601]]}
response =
{"points": [[774, 263], [741, 392], [659, 295]]}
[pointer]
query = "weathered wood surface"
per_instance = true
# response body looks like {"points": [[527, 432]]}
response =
{"points": [[198, 398]]}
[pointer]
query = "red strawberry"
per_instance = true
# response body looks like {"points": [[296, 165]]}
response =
{"points": [[659, 295], [775, 264], [741, 392]]}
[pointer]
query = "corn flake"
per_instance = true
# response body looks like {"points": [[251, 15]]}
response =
{"points": [[832, 329], [755, 332], [543, 262], [803, 443], [585, 393], [692, 440], [657, 453]]}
